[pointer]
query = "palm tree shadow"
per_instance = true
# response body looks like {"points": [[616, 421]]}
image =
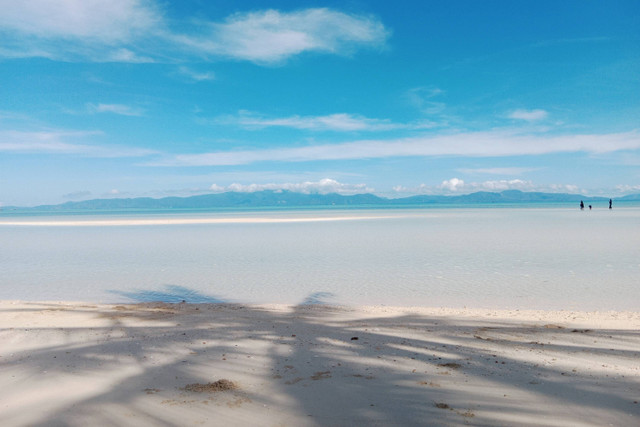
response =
{"points": [[318, 298], [333, 368], [170, 294]]}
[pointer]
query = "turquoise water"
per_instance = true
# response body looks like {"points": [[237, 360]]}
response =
{"points": [[542, 257]]}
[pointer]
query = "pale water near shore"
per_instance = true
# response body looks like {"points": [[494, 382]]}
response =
{"points": [[543, 258]]}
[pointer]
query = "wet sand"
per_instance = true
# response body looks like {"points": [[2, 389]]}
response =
{"points": [[76, 364]]}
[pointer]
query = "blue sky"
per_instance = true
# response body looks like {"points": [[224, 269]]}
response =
{"points": [[152, 98]]}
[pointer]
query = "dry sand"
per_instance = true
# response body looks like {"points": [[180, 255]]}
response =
{"points": [[72, 364]]}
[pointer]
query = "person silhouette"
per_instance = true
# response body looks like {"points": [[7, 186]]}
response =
{"points": [[581, 205], [610, 203]]}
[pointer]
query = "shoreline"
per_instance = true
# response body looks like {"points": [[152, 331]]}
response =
{"points": [[196, 217], [74, 363]]}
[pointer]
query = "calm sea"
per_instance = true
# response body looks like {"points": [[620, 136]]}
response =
{"points": [[541, 258]]}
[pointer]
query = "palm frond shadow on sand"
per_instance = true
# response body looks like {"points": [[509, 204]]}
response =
{"points": [[315, 364]]}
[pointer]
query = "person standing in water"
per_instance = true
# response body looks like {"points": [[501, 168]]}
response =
{"points": [[581, 205], [610, 203]]}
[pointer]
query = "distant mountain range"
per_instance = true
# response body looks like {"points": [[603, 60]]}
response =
{"points": [[292, 199]]}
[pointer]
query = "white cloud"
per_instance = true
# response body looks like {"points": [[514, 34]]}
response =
{"points": [[123, 110], [453, 185], [323, 186], [272, 36], [138, 31], [109, 22], [528, 115], [458, 186], [66, 29], [333, 122], [628, 189], [561, 188], [502, 185], [472, 144]]}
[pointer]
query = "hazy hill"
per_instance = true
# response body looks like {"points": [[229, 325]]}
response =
{"points": [[292, 199]]}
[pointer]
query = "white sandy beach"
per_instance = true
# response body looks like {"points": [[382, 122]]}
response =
{"points": [[73, 364]]}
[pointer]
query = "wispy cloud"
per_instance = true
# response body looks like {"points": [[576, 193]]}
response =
{"points": [[499, 171], [425, 99], [197, 76], [577, 40], [56, 141], [528, 115], [63, 142], [332, 122], [123, 110], [77, 195], [472, 144], [323, 186], [139, 31]]}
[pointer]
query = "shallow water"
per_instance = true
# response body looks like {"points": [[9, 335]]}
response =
{"points": [[544, 258]]}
